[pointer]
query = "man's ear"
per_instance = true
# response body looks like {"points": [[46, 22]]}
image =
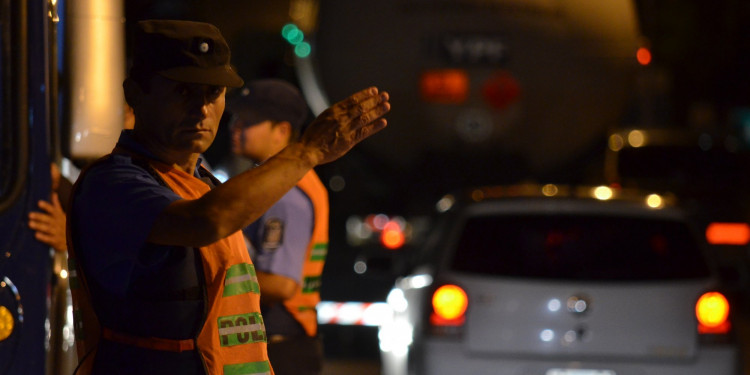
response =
{"points": [[133, 92], [285, 127]]}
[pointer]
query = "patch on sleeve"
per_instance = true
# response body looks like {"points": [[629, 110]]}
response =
{"points": [[273, 234]]}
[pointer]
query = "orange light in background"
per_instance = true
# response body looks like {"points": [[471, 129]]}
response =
{"points": [[643, 55], [392, 236], [712, 311], [444, 86], [449, 304], [728, 233]]}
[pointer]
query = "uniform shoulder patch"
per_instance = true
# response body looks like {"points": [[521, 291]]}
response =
{"points": [[273, 234]]}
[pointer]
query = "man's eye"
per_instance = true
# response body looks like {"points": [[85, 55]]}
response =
{"points": [[215, 91]]}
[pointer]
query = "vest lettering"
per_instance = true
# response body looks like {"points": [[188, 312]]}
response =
{"points": [[225, 324], [241, 329], [242, 337]]}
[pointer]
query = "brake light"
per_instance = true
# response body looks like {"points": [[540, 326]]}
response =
{"points": [[712, 311], [392, 236], [449, 303], [643, 55], [501, 90], [728, 233]]}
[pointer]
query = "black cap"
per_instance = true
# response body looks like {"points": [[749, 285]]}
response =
{"points": [[269, 99], [184, 51]]}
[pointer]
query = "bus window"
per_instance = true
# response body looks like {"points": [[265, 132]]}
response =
{"points": [[14, 125]]}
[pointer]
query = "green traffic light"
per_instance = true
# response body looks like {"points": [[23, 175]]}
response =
{"points": [[292, 34], [288, 29], [302, 50], [296, 37]]}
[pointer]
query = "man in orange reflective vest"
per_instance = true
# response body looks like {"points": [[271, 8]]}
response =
{"points": [[290, 241], [160, 274]]}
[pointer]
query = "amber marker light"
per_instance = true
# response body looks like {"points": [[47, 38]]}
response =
{"points": [[444, 86], [728, 233], [6, 323]]}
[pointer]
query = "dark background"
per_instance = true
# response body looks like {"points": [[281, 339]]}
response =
{"points": [[703, 45]]}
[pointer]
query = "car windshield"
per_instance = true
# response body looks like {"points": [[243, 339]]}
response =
{"points": [[578, 248]]}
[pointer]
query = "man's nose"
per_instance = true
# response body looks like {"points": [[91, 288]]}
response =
{"points": [[199, 103]]}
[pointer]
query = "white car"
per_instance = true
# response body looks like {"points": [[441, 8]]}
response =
{"points": [[556, 281]]}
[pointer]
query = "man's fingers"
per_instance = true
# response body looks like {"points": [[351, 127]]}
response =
{"points": [[355, 99], [370, 129], [52, 208], [39, 223], [368, 110], [374, 102], [43, 237], [378, 110], [46, 206], [56, 200], [40, 218]]}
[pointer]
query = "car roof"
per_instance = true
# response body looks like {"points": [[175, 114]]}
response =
{"points": [[560, 198]]}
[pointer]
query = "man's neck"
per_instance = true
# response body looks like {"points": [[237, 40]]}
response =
{"points": [[189, 165]]}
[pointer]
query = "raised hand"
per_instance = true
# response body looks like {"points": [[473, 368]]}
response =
{"points": [[335, 131]]}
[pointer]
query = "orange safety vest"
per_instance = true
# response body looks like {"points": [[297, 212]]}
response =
{"points": [[232, 340], [302, 304]]}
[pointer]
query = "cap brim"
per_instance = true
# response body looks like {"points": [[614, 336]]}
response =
{"points": [[252, 117], [217, 76]]}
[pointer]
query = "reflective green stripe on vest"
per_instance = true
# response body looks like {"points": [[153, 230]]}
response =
{"points": [[241, 329], [241, 279], [319, 252], [311, 284], [251, 368]]}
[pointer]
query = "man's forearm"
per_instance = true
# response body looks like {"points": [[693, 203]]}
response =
{"points": [[275, 288], [234, 204]]}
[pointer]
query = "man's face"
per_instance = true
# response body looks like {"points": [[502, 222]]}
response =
{"points": [[254, 141], [180, 117]]}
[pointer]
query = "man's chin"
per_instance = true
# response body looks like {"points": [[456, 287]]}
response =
{"points": [[199, 144], [196, 147]]}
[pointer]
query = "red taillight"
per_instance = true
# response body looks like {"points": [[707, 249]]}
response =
{"points": [[392, 236], [712, 311], [501, 90], [449, 303], [728, 233], [643, 55]]}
